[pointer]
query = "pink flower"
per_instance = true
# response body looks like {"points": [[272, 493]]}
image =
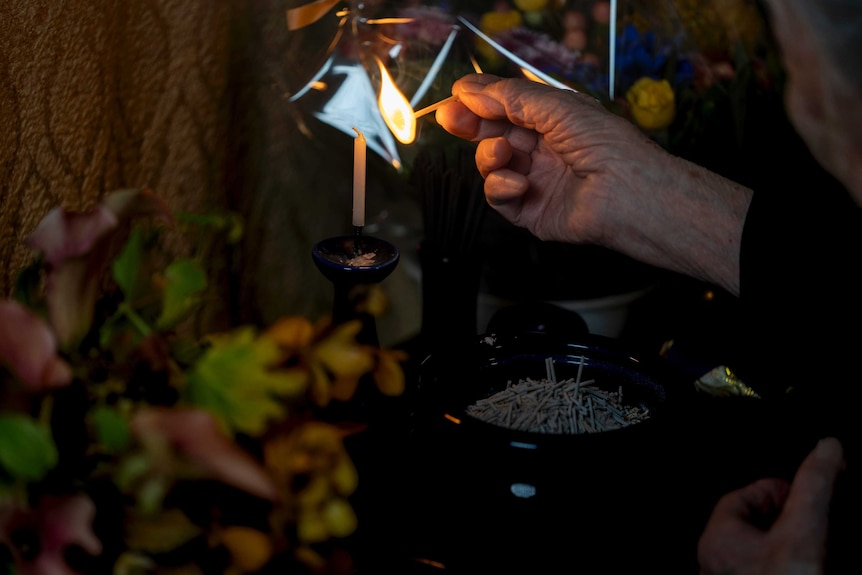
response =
{"points": [[56, 524], [77, 247], [430, 24], [29, 348], [195, 434]]}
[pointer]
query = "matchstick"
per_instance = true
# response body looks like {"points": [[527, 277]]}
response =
{"points": [[432, 107]]}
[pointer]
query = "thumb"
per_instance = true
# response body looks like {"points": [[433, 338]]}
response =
{"points": [[810, 496]]}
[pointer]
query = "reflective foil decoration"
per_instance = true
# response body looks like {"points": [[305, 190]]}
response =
{"points": [[373, 46], [422, 47], [658, 62]]}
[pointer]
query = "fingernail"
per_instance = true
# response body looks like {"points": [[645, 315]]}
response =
{"points": [[471, 87], [829, 447]]}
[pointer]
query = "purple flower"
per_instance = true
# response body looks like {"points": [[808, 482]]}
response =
{"points": [[540, 50]]}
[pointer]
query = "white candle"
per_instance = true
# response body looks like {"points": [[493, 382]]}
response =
{"points": [[358, 179]]}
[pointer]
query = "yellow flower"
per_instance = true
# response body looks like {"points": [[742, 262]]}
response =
{"points": [[493, 23], [652, 103], [531, 5]]}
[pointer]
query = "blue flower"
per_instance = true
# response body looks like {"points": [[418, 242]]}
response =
{"points": [[644, 54]]}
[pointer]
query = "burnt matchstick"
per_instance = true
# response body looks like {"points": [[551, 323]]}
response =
{"points": [[428, 109]]}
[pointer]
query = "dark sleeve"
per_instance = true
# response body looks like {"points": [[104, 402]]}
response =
{"points": [[800, 283]]}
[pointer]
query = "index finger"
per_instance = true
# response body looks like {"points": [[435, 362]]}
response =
{"points": [[462, 121]]}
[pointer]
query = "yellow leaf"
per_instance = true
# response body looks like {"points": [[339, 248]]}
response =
{"points": [[315, 493], [311, 558], [340, 517], [344, 477], [341, 354], [311, 527], [320, 393], [375, 302], [237, 379], [159, 532], [292, 333], [344, 387], [321, 436], [388, 375], [249, 548]]}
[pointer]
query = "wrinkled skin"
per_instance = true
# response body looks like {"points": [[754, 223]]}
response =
{"points": [[552, 181], [560, 165]]}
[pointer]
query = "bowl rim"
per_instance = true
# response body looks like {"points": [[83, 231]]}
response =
{"points": [[444, 403]]}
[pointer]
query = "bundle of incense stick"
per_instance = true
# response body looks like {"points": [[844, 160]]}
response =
{"points": [[453, 209], [452, 200]]}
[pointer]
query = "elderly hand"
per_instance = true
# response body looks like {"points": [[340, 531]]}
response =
{"points": [[770, 527], [562, 166], [547, 155]]}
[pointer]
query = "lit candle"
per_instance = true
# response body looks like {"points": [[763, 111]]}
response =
{"points": [[358, 179]]}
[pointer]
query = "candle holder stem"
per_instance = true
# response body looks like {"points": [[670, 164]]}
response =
{"points": [[354, 263]]}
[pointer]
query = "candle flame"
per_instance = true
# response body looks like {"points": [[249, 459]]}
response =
{"points": [[395, 108]]}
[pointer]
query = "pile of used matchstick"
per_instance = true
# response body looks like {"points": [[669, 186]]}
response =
{"points": [[568, 406]]}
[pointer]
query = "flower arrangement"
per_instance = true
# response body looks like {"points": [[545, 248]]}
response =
{"points": [[679, 69], [694, 76], [131, 444]]}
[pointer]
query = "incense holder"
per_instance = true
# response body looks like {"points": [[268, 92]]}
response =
{"points": [[355, 258], [351, 263]]}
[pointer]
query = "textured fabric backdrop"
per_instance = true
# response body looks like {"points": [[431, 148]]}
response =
{"points": [[184, 97]]}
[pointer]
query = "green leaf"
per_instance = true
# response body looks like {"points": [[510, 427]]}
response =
{"points": [[230, 223], [236, 229], [112, 429], [234, 380], [186, 281], [159, 532], [132, 469], [27, 450], [127, 265], [185, 350]]}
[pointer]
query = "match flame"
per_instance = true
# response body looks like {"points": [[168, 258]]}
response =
{"points": [[395, 108]]}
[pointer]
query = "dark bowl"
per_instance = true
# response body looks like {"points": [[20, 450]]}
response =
{"points": [[507, 485], [451, 384]]}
